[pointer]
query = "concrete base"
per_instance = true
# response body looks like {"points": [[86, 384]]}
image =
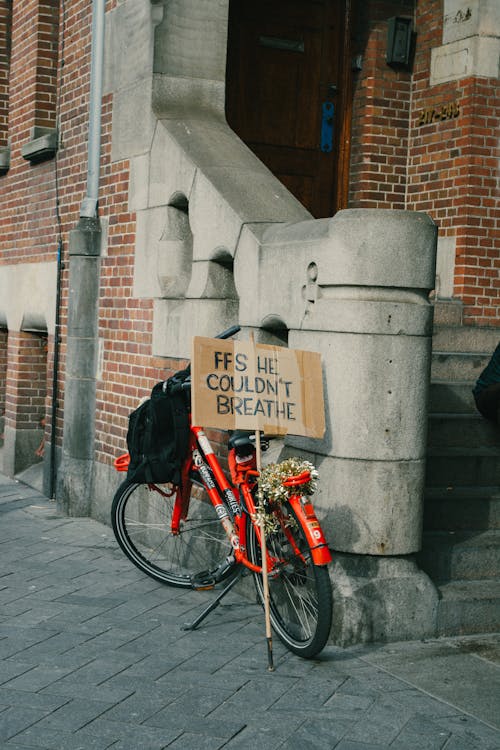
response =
{"points": [[19, 449], [74, 481], [381, 599], [33, 477], [106, 482]]}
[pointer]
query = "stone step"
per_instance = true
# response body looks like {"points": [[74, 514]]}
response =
{"points": [[453, 338], [462, 467], [453, 430], [453, 397], [458, 366], [468, 607], [460, 555], [462, 508]]}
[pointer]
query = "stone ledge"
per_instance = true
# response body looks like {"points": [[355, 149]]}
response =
{"points": [[4, 159], [476, 56], [41, 146]]}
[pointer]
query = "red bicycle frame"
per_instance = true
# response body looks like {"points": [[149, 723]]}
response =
{"points": [[226, 500], [224, 496]]}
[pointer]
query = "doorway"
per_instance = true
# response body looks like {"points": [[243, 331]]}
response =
{"points": [[288, 92]]}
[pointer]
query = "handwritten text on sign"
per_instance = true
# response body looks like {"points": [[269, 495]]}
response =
{"points": [[243, 385]]}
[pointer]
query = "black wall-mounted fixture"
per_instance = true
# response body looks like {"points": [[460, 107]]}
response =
{"points": [[399, 41]]}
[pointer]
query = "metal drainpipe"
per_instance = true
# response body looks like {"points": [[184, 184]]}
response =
{"points": [[76, 478], [88, 208]]}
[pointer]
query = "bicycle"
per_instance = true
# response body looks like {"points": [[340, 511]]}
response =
{"points": [[207, 531]]}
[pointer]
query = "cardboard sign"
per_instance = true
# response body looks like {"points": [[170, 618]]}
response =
{"points": [[240, 385]]}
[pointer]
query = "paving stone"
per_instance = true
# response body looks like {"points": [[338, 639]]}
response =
{"points": [[96, 670], [28, 611], [11, 669], [419, 733], [372, 684], [471, 729], [16, 718], [31, 700], [53, 649], [379, 721], [350, 745], [137, 736], [347, 705], [317, 735], [422, 704], [459, 743], [75, 714], [14, 640], [319, 692], [224, 726], [191, 741], [262, 737], [141, 705], [37, 678], [47, 739]]}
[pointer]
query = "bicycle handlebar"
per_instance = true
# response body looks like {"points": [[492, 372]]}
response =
{"points": [[185, 385], [228, 332]]}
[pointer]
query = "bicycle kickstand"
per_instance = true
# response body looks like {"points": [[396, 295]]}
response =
{"points": [[215, 603]]}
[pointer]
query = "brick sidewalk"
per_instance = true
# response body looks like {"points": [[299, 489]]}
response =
{"points": [[93, 657]]}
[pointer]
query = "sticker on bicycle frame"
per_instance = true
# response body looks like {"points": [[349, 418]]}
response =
{"points": [[232, 502], [205, 474], [243, 385], [221, 511], [204, 443]]}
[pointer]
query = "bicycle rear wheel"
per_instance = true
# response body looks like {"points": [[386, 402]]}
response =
{"points": [[141, 517], [300, 592]]}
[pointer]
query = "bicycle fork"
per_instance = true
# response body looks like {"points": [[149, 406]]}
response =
{"points": [[304, 510]]}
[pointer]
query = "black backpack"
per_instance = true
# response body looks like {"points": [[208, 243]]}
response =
{"points": [[158, 433]]}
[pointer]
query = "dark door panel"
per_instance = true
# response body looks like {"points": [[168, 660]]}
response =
{"points": [[284, 63]]}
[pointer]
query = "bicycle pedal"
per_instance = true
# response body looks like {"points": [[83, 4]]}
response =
{"points": [[203, 581]]}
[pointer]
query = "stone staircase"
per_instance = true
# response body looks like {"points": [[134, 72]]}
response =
{"points": [[461, 539]]}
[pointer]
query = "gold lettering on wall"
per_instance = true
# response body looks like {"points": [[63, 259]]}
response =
{"points": [[438, 113]]}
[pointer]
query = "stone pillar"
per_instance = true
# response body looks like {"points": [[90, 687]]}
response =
{"points": [[355, 288], [75, 477]]}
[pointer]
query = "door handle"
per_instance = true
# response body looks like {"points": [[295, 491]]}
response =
{"points": [[327, 121]]}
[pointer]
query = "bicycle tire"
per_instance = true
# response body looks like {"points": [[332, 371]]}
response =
{"points": [[141, 517], [300, 594]]}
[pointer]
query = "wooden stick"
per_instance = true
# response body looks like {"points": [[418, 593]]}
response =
{"points": [[265, 580]]}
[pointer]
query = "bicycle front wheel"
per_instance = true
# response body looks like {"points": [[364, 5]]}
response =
{"points": [[141, 517], [300, 592]]}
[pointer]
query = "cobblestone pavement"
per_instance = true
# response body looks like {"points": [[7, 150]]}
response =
{"points": [[92, 656]]}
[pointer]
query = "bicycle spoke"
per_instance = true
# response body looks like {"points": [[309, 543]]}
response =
{"points": [[305, 610], [142, 523]]}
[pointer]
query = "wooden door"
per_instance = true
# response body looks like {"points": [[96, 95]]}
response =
{"points": [[287, 91]]}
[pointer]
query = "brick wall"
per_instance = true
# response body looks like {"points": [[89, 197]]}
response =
{"points": [[46, 63], [26, 385], [28, 193], [379, 138], [430, 148], [5, 50], [453, 170]]}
